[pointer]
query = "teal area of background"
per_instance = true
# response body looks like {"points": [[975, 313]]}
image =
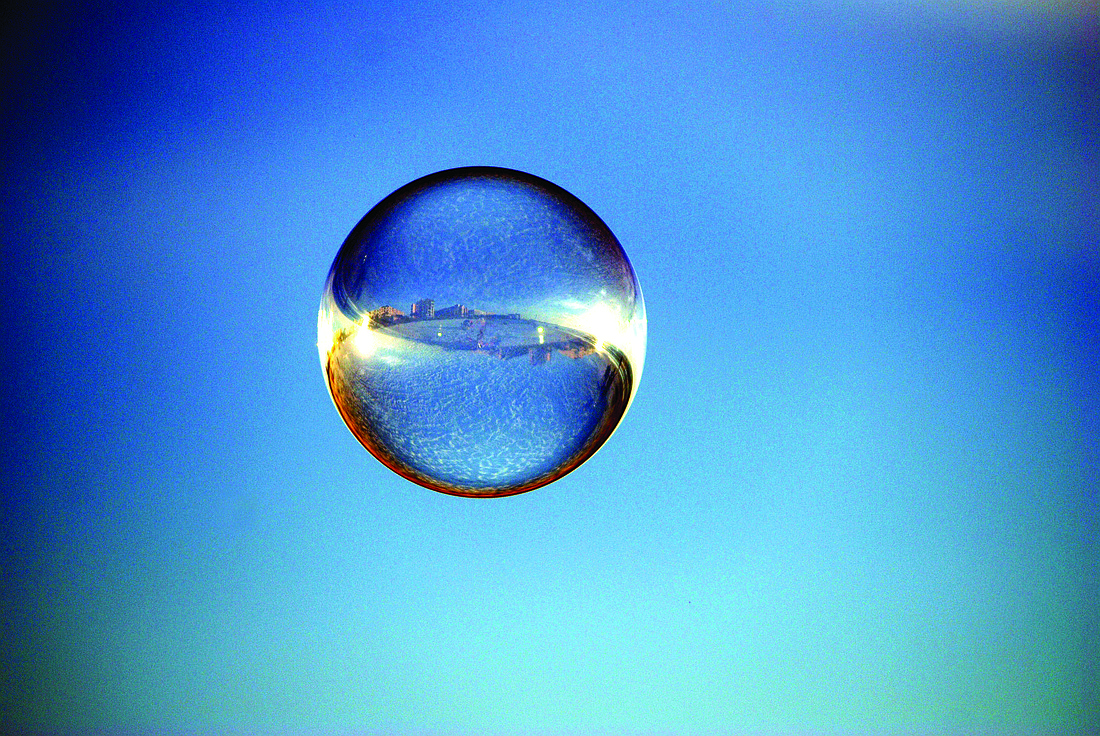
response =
{"points": [[856, 492]]}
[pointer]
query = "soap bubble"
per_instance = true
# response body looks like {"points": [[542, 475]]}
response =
{"points": [[482, 332]]}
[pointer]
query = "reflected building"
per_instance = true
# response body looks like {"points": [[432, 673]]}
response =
{"points": [[386, 315], [575, 349], [457, 311], [423, 309]]}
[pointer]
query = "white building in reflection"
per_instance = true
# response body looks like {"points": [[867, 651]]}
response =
{"points": [[423, 309]]}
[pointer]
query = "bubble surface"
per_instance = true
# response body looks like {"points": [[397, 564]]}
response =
{"points": [[481, 332]]}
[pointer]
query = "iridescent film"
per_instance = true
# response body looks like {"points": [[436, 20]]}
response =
{"points": [[482, 332]]}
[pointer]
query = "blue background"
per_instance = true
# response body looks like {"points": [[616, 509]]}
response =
{"points": [[856, 492]]}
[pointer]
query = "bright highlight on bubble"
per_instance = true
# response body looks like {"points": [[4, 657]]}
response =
{"points": [[482, 332]]}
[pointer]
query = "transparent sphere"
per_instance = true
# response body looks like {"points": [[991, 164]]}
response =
{"points": [[482, 332]]}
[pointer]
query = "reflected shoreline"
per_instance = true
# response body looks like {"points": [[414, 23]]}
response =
{"points": [[500, 336]]}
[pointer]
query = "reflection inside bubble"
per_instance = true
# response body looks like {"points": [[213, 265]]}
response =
{"points": [[529, 366]]}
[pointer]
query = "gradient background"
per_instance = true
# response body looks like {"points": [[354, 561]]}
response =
{"points": [[856, 492]]}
